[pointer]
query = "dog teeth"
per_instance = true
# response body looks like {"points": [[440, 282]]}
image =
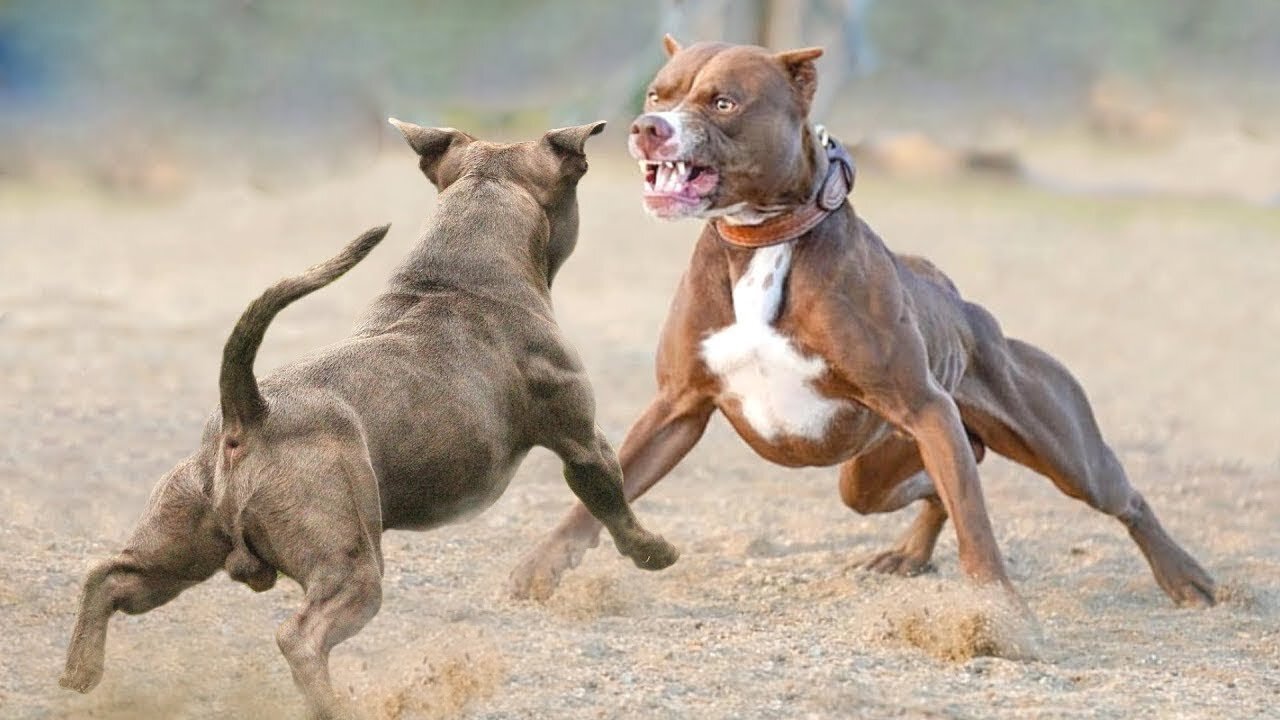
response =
{"points": [[668, 175]]}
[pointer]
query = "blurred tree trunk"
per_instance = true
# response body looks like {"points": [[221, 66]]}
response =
{"points": [[780, 23], [839, 26]]}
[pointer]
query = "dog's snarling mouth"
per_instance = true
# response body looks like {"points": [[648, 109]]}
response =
{"points": [[676, 186]]}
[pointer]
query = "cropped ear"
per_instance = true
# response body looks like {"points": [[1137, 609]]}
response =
{"points": [[799, 67], [670, 45], [433, 146], [572, 140]]}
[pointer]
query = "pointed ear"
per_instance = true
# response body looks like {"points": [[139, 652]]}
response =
{"points": [[799, 66], [572, 140], [670, 45], [433, 145]]}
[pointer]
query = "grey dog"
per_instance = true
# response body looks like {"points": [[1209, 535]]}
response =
{"points": [[419, 418]]}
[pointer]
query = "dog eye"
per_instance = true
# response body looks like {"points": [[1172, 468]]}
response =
{"points": [[652, 96], [725, 104]]}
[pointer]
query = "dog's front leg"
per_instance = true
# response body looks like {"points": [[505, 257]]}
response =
{"points": [[934, 422], [658, 440], [595, 476], [593, 473], [887, 361]]}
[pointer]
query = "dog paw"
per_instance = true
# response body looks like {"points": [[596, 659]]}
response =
{"points": [[1182, 579], [538, 574], [533, 580], [652, 553], [82, 680], [896, 562], [1193, 589]]}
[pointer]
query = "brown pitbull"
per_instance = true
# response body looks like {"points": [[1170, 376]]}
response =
{"points": [[419, 418], [823, 347]]}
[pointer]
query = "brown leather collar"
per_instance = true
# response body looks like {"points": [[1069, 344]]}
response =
{"points": [[836, 183]]}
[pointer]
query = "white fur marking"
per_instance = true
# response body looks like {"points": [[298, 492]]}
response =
{"points": [[688, 137], [760, 366], [682, 136]]}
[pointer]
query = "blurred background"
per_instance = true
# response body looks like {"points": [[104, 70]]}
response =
{"points": [[155, 96], [1103, 175]]}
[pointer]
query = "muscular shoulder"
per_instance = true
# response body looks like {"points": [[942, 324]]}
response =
{"points": [[925, 270], [547, 361]]}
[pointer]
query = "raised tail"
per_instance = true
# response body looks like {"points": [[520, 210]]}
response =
{"points": [[242, 403]]}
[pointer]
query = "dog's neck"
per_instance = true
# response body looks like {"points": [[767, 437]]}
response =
{"points": [[758, 278], [743, 214], [806, 176], [830, 183], [486, 239]]}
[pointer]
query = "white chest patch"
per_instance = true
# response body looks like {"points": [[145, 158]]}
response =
{"points": [[759, 365]]}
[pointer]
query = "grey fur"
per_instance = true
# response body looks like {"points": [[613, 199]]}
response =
{"points": [[418, 418]]}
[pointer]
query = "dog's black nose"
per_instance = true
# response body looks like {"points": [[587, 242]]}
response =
{"points": [[650, 131]]}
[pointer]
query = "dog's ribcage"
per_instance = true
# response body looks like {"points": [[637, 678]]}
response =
{"points": [[761, 367]]}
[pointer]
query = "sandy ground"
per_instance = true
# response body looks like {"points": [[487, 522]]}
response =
{"points": [[112, 318]]}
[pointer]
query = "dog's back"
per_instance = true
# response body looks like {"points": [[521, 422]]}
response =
{"points": [[447, 365]]}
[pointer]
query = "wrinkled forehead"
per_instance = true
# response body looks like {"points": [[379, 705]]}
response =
{"points": [[740, 70]]}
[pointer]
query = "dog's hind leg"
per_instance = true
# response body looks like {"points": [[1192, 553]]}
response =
{"points": [[331, 545], [1026, 406], [173, 547], [342, 596], [885, 478]]}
